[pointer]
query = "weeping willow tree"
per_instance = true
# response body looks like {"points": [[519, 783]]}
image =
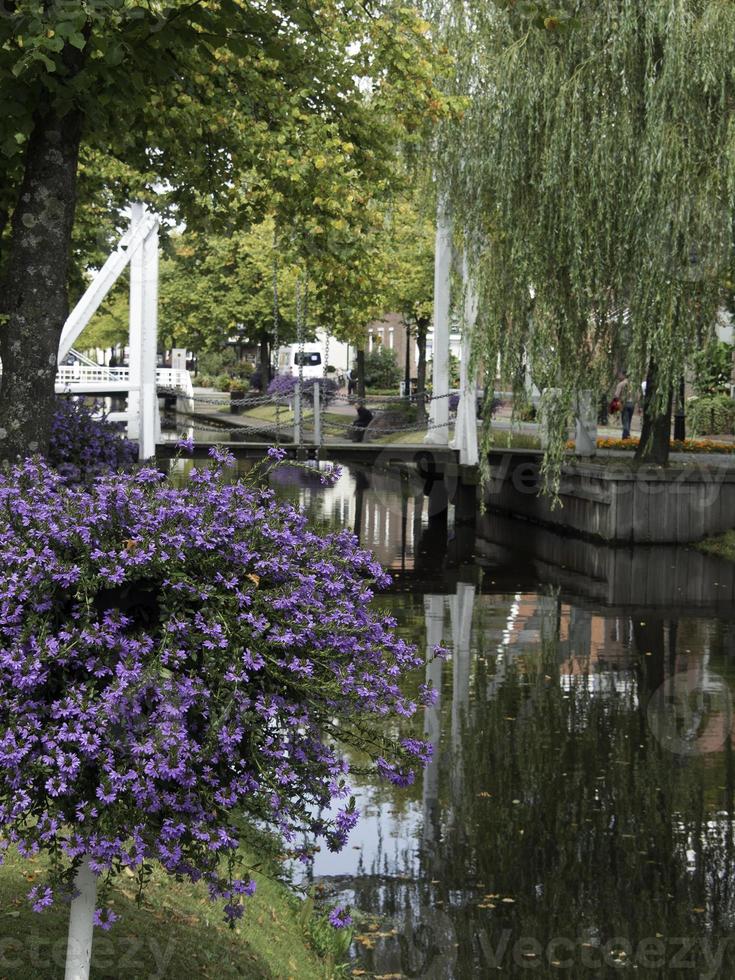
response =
{"points": [[591, 181]]}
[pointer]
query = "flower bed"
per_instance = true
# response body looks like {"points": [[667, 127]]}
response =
{"points": [[677, 445], [173, 657]]}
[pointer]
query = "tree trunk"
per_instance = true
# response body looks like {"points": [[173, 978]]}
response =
{"points": [[265, 361], [421, 374], [35, 285], [360, 363], [656, 430]]}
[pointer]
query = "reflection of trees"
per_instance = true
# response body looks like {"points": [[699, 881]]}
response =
{"points": [[573, 811], [550, 790]]}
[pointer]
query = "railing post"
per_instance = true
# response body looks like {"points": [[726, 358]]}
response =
{"points": [[317, 415], [297, 413]]}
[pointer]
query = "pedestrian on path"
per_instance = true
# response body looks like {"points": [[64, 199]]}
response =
{"points": [[624, 397], [363, 420]]}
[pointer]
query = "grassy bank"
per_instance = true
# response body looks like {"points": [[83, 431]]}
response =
{"points": [[176, 932], [723, 545]]}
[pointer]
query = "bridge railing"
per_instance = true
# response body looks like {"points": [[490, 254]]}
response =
{"points": [[74, 377]]}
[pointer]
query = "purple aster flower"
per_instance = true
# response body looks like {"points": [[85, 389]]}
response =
{"points": [[40, 899], [105, 918], [340, 917]]}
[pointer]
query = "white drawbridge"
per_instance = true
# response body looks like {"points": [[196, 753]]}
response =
{"points": [[140, 381]]}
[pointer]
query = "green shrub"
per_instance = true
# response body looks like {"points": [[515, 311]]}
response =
{"points": [[711, 415], [381, 368], [712, 368]]}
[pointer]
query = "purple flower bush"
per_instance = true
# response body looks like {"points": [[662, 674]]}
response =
{"points": [[284, 386], [83, 447], [175, 661]]}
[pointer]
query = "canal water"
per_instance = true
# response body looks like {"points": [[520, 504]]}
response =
{"points": [[577, 816]]}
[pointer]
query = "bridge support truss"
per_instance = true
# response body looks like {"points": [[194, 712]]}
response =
{"points": [[139, 248]]}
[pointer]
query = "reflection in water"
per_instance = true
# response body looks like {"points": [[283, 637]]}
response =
{"points": [[577, 815]]}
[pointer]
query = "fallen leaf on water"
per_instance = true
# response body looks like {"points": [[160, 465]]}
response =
{"points": [[697, 909]]}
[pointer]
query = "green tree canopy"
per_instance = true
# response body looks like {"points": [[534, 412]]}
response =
{"points": [[235, 110], [591, 182]]}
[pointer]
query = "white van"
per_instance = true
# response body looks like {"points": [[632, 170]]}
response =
{"points": [[310, 358]]}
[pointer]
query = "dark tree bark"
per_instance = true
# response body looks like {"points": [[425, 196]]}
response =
{"points": [[656, 430], [360, 366], [34, 290], [421, 330]]}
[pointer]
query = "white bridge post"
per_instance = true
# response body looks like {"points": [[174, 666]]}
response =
{"points": [[148, 402], [135, 325], [465, 429], [438, 433], [142, 398]]}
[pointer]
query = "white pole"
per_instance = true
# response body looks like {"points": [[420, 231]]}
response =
{"points": [[465, 432], [149, 418], [317, 415], [438, 433], [137, 214], [81, 924], [297, 414]]}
